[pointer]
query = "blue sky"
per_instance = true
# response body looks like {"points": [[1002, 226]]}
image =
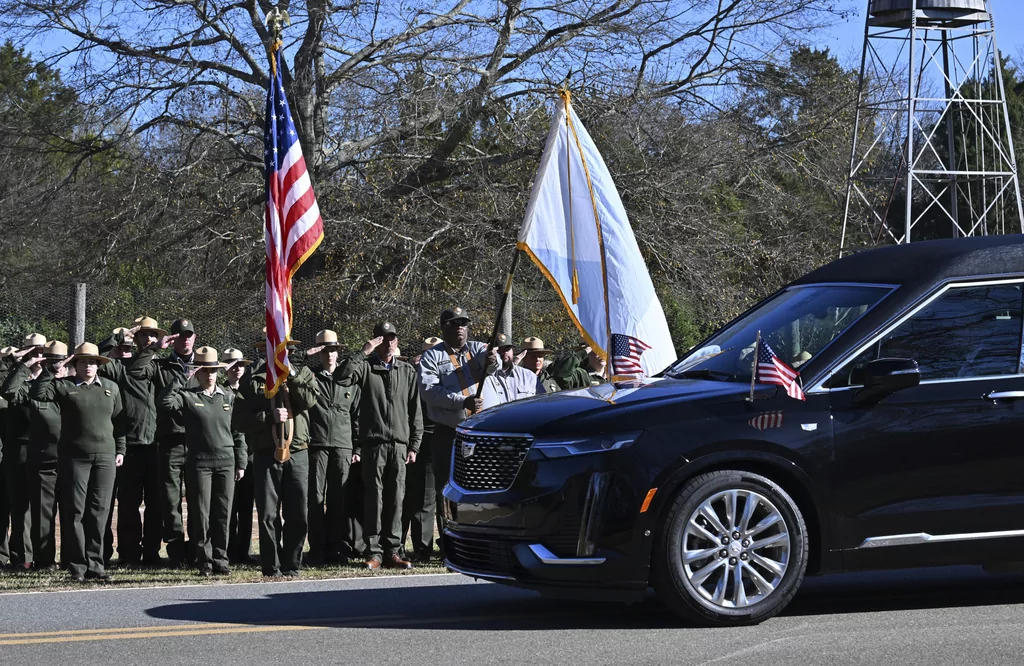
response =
{"points": [[846, 38]]}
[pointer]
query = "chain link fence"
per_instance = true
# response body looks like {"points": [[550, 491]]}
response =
{"points": [[226, 317]]}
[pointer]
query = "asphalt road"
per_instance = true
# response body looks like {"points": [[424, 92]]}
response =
{"points": [[948, 616]]}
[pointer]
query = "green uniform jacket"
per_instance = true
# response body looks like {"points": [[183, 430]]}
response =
{"points": [[569, 371], [170, 371], [332, 418], [4, 367], [237, 390], [44, 417], [389, 405], [18, 417], [209, 436], [547, 382], [134, 376], [255, 418], [92, 416]]}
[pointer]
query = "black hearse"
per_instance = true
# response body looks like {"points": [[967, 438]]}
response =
{"points": [[907, 451]]}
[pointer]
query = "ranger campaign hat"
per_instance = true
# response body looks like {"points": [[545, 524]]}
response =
{"points": [[454, 313], [183, 327], [87, 351], [7, 351], [206, 357], [55, 350], [534, 345], [149, 325], [129, 337], [430, 343], [384, 328], [33, 340], [503, 340], [326, 340], [232, 356]]}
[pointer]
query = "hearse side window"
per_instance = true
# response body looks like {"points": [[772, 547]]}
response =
{"points": [[966, 332]]}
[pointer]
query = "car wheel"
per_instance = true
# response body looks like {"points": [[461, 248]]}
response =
{"points": [[732, 551]]}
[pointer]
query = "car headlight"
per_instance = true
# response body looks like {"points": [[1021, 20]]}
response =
{"points": [[564, 447]]}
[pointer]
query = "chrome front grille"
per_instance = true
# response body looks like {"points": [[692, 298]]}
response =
{"points": [[488, 462]]}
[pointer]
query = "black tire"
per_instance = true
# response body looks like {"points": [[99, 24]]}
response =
{"points": [[670, 579]]}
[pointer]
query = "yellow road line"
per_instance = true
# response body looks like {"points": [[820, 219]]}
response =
{"points": [[207, 629]]}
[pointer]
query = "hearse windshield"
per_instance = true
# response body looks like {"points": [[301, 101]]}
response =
{"points": [[797, 324]]}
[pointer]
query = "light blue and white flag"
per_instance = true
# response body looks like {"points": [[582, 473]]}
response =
{"points": [[577, 232]]}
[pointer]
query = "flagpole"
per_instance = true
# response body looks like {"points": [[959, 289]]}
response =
{"points": [[753, 371], [502, 304]]}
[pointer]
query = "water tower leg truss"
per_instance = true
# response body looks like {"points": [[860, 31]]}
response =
{"points": [[932, 151]]}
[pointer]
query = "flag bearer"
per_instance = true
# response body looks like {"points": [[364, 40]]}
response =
{"points": [[448, 377], [216, 458], [281, 487], [91, 447], [390, 431]]}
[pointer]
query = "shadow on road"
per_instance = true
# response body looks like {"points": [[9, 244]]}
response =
{"points": [[496, 607]]}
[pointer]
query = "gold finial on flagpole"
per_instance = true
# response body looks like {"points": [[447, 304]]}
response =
{"points": [[275, 20]]}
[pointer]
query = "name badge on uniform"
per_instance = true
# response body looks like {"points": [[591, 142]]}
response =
{"points": [[226, 406], [106, 392], [198, 404]]}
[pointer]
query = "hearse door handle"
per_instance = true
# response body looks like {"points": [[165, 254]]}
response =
{"points": [[1004, 395]]}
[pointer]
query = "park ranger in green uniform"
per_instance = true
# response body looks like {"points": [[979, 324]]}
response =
{"points": [[390, 431], [170, 435], [330, 454], [44, 433], [6, 360], [578, 369], [216, 458], [281, 487], [138, 480], [534, 353], [244, 501], [17, 439], [91, 447]]}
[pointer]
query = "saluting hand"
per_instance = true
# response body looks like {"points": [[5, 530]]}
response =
{"points": [[372, 344], [34, 361], [166, 341]]}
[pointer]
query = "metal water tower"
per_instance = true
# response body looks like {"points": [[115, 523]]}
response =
{"points": [[932, 147]]}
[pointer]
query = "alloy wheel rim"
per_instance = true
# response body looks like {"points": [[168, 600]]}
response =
{"points": [[735, 549]]}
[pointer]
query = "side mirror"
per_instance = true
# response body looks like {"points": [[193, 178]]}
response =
{"points": [[883, 377]]}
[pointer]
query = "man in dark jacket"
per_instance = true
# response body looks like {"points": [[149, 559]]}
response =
{"points": [[330, 454], [390, 431], [170, 436], [281, 487], [138, 479], [244, 501]]}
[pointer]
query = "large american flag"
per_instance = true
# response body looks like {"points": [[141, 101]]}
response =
{"points": [[294, 227], [772, 370], [626, 353]]}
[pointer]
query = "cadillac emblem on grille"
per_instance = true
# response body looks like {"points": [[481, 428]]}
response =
{"points": [[488, 461]]}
